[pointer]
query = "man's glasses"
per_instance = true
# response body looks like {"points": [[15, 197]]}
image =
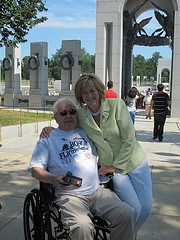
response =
{"points": [[65, 112]]}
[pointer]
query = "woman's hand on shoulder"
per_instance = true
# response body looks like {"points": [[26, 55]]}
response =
{"points": [[45, 132]]}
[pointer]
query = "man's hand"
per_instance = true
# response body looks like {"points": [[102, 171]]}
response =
{"points": [[45, 132], [58, 181], [106, 169], [47, 177]]}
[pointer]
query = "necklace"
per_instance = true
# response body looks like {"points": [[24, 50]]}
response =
{"points": [[96, 113]]}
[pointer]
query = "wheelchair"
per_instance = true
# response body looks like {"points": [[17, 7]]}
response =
{"points": [[42, 217]]}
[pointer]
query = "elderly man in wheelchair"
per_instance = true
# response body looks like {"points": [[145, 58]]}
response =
{"points": [[67, 160]]}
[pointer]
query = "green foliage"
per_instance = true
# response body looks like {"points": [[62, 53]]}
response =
{"points": [[88, 62], [54, 70], [25, 68], [17, 17], [2, 72], [138, 66], [145, 67]]}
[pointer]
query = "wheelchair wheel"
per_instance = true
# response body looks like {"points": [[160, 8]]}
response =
{"points": [[37, 225], [102, 229]]}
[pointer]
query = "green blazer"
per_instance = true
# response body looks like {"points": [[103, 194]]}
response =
{"points": [[115, 139]]}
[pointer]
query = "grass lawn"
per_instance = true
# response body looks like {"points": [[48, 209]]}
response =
{"points": [[11, 117]]}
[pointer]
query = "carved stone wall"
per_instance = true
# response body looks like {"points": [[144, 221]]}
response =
{"points": [[117, 31], [163, 63]]}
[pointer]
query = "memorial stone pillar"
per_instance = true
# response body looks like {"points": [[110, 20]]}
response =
{"points": [[12, 67], [138, 81], [145, 81], [38, 64], [70, 66], [69, 76], [151, 80]]}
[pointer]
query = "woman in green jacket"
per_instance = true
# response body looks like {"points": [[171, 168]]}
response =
{"points": [[108, 124]]}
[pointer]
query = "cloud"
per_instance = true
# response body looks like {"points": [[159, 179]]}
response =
{"points": [[70, 14], [70, 22]]}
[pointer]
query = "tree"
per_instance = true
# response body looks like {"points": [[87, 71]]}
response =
{"points": [[2, 72], [138, 66], [54, 65], [25, 68], [151, 65], [88, 62], [145, 67], [17, 17]]}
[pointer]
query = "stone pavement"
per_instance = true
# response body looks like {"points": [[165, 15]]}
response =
{"points": [[163, 158]]}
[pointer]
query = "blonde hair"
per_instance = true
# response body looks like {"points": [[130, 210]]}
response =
{"points": [[94, 81]]}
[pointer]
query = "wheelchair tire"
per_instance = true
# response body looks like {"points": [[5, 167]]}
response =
{"points": [[37, 225], [101, 229]]}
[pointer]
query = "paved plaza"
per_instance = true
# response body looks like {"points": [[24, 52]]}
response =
{"points": [[163, 158]]}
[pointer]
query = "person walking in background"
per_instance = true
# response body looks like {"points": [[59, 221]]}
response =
{"points": [[131, 99], [110, 93], [147, 102], [149, 90], [140, 101], [159, 101]]}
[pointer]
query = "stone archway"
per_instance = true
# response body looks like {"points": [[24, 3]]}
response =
{"points": [[134, 33], [163, 63], [114, 50]]}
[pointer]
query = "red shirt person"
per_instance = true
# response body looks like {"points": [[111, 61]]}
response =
{"points": [[110, 93]]}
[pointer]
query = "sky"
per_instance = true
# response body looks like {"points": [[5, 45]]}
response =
{"points": [[76, 20]]}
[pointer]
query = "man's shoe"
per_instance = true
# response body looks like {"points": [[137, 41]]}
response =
{"points": [[154, 138], [160, 140], [146, 117]]}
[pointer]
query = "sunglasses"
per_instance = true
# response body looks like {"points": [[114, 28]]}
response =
{"points": [[65, 112]]}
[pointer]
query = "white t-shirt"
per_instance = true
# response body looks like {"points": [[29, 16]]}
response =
{"points": [[147, 99], [68, 151]]}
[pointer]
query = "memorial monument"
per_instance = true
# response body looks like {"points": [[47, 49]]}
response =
{"points": [[38, 64], [163, 63], [70, 66], [12, 67], [117, 31]]}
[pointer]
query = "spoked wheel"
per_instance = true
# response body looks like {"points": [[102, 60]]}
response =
{"points": [[101, 228], [37, 224]]}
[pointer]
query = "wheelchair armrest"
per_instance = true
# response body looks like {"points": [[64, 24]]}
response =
{"points": [[48, 191]]}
